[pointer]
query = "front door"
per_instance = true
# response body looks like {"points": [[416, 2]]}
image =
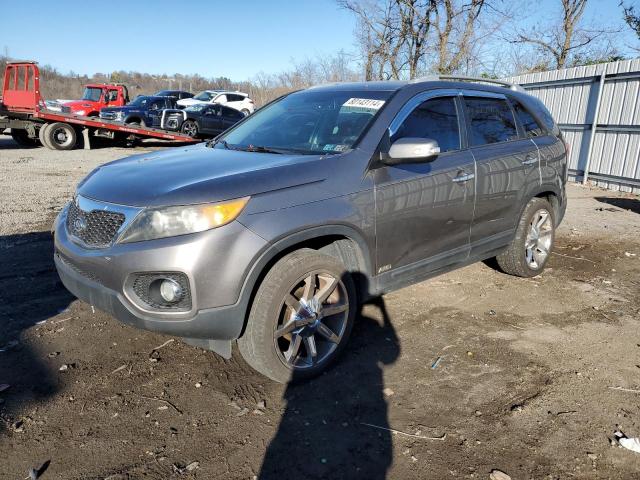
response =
{"points": [[424, 210]]}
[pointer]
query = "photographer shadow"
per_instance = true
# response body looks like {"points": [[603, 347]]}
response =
{"points": [[30, 292], [322, 433]]}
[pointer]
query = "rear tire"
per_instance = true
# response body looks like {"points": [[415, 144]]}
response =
{"points": [[529, 251], [22, 138], [301, 317], [42, 135], [61, 136]]}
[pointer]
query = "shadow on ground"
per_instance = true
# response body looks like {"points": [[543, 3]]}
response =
{"points": [[322, 433], [632, 204], [30, 292]]}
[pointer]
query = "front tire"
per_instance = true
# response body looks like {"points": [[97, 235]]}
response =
{"points": [[528, 252], [301, 317]]}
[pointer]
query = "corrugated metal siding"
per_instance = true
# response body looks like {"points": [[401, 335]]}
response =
{"points": [[571, 96]]}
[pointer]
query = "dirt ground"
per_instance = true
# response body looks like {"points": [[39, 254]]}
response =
{"points": [[475, 370]]}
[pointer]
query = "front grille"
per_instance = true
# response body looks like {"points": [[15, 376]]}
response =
{"points": [[108, 115], [96, 228], [146, 285], [172, 121], [65, 109], [73, 266]]}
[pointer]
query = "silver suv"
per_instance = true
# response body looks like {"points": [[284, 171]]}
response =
{"points": [[272, 234]]}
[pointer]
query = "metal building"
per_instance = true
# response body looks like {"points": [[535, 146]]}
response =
{"points": [[598, 110]]}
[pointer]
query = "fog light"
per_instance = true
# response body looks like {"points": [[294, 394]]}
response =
{"points": [[170, 291]]}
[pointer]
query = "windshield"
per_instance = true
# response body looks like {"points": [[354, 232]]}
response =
{"points": [[196, 108], [140, 101], [92, 94], [310, 121], [204, 96]]}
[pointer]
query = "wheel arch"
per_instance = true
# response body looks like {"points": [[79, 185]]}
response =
{"points": [[338, 241]]}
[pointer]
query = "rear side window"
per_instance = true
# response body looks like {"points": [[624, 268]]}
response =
{"points": [[490, 121], [234, 98], [530, 125], [436, 119], [231, 113]]}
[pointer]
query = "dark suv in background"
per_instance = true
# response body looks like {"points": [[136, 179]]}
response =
{"points": [[145, 110], [274, 233]]}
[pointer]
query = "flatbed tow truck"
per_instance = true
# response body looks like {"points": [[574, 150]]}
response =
{"points": [[23, 110]]}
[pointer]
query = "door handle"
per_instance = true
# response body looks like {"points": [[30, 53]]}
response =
{"points": [[463, 178], [530, 159]]}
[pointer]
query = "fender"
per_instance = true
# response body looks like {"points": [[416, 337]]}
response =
{"points": [[277, 247]]}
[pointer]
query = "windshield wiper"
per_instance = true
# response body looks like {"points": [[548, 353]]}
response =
{"points": [[261, 149], [213, 142]]}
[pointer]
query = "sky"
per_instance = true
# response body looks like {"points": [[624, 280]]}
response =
{"points": [[236, 39]]}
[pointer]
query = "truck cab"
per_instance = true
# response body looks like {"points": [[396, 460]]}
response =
{"points": [[97, 96]]}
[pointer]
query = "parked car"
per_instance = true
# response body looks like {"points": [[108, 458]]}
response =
{"points": [[95, 97], [201, 120], [238, 100], [273, 234], [145, 110], [177, 94]]}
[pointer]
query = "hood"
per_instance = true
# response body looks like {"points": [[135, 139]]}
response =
{"points": [[189, 101], [198, 174], [125, 108], [80, 104]]}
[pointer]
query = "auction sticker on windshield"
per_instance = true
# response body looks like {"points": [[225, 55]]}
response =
{"points": [[362, 105]]}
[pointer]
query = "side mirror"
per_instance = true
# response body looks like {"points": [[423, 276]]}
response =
{"points": [[412, 150]]}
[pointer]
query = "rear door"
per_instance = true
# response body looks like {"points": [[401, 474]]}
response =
{"points": [[424, 210], [210, 120], [504, 163], [230, 116]]}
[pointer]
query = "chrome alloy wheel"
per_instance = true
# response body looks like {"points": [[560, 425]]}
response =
{"points": [[539, 238], [313, 319], [191, 129]]}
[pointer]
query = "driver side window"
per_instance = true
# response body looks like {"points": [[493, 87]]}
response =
{"points": [[437, 119]]}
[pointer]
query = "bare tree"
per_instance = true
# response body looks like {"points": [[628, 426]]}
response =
{"points": [[455, 24], [400, 38], [632, 19], [393, 35], [559, 41]]}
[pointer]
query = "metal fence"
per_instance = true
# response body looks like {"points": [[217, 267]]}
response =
{"points": [[598, 110]]}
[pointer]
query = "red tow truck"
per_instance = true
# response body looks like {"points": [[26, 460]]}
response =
{"points": [[23, 110], [97, 96]]}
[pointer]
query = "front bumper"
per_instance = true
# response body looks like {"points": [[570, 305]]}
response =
{"points": [[215, 263]]}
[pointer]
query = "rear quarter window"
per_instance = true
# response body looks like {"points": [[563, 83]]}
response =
{"points": [[530, 125], [540, 110]]}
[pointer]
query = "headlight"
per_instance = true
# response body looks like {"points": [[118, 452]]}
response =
{"points": [[172, 221], [119, 115], [80, 112]]}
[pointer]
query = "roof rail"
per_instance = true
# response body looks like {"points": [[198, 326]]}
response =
{"points": [[459, 78]]}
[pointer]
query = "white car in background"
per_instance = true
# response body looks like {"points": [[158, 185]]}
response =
{"points": [[238, 100]]}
